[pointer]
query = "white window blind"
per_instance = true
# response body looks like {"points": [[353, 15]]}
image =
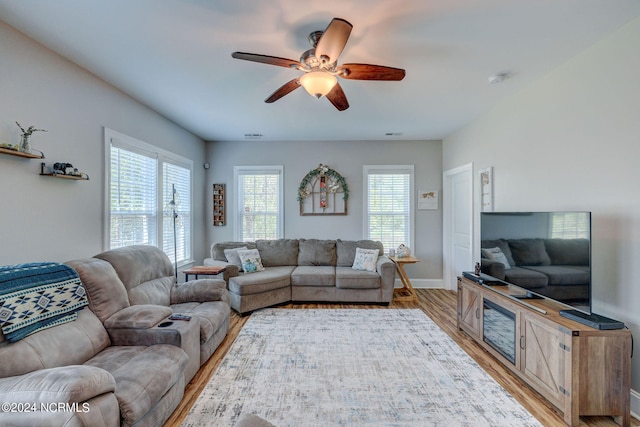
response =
{"points": [[259, 207], [133, 199], [388, 205], [141, 179]]}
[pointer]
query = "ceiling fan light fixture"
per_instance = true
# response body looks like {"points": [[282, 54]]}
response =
{"points": [[318, 83]]}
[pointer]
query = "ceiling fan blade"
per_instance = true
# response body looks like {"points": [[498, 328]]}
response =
{"points": [[338, 98], [266, 59], [370, 72], [333, 40], [283, 90]]}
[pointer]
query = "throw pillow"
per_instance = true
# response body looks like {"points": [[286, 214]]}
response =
{"points": [[233, 257], [496, 254], [365, 259], [250, 260]]}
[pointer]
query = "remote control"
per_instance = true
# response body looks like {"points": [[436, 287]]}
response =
{"points": [[178, 316]]}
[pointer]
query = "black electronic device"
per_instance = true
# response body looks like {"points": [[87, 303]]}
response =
{"points": [[594, 320], [482, 278], [544, 253]]}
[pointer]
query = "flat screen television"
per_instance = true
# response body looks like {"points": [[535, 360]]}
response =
{"points": [[546, 253]]}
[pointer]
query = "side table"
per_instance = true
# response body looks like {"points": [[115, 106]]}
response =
{"points": [[202, 270], [406, 283]]}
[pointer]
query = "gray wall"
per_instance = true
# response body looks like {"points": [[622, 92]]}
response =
{"points": [[46, 219], [571, 141], [347, 158]]}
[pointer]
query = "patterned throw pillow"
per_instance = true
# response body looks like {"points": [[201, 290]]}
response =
{"points": [[250, 260], [496, 254], [233, 257], [366, 259]]}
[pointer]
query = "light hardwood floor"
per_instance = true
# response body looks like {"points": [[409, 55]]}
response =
{"points": [[439, 305]]}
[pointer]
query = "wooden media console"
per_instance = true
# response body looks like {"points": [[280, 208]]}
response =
{"points": [[579, 369]]}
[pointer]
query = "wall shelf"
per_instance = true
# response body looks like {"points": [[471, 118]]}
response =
{"points": [[21, 154], [79, 177], [219, 217], [73, 177]]}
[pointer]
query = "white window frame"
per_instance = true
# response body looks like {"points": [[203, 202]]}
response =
{"points": [[389, 169], [126, 142], [257, 170]]}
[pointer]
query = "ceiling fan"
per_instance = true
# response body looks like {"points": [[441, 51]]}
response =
{"points": [[320, 66]]}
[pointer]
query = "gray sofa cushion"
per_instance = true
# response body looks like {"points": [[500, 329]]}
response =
{"points": [[529, 252], [217, 250], [74, 383], [145, 271], [105, 291], [211, 315], [317, 252], [278, 252], [71, 343], [262, 281], [157, 369], [348, 278], [346, 250], [311, 275]]}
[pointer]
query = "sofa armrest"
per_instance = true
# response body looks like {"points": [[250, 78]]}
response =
{"points": [[387, 271], [141, 316], [200, 290], [492, 268], [65, 384], [137, 325], [231, 270]]}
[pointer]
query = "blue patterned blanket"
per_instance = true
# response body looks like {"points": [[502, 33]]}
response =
{"points": [[38, 296]]}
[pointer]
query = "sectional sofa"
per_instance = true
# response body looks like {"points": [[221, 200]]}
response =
{"points": [[305, 270], [122, 361]]}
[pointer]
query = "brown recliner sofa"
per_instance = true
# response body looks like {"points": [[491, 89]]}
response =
{"points": [[139, 286], [74, 375], [122, 362]]}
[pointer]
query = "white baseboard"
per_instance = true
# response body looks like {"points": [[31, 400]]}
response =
{"points": [[423, 283], [635, 404]]}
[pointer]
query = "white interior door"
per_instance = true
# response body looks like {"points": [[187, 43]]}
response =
{"points": [[458, 223]]}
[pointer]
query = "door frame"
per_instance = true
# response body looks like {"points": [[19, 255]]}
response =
{"points": [[449, 278]]}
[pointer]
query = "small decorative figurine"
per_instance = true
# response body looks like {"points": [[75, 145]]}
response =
{"points": [[403, 251]]}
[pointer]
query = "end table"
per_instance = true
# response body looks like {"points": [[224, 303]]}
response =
{"points": [[202, 270], [407, 286]]}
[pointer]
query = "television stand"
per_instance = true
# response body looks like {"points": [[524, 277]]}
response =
{"points": [[580, 370], [594, 320]]}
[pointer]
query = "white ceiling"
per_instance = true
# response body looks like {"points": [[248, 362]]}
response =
{"points": [[175, 57]]}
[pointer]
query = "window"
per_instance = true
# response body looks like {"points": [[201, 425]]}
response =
{"points": [[141, 180], [389, 205], [259, 202]]}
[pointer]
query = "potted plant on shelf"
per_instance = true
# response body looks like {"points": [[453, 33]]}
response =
{"points": [[25, 142]]}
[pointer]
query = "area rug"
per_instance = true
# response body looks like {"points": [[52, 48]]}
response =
{"points": [[352, 367]]}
